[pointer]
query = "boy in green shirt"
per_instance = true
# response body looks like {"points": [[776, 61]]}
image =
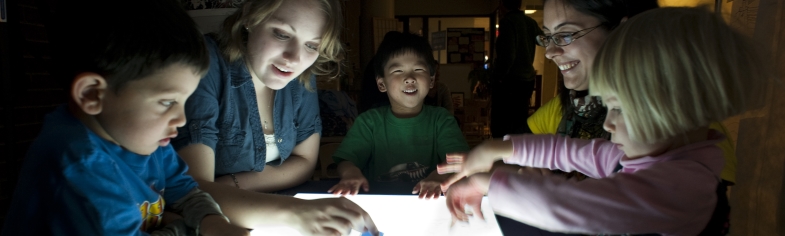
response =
{"points": [[405, 140]]}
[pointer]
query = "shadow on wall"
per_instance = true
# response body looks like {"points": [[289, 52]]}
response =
{"points": [[209, 20], [210, 4], [209, 14]]}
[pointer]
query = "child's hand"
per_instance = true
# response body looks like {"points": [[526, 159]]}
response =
{"points": [[217, 225], [468, 191], [428, 188], [350, 185], [464, 164], [479, 159]]}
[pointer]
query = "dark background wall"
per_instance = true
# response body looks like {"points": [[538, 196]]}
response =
{"points": [[27, 91]]}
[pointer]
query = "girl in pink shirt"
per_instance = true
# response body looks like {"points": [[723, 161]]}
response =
{"points": [[664, 75]]}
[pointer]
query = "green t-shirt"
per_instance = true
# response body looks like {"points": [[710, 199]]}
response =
{"points": [[387, 148]]}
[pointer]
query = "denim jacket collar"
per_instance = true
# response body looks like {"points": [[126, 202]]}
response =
{"points": [[239, 73]]}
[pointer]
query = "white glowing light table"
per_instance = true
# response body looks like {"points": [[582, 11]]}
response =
{"points": [[408, 215]]}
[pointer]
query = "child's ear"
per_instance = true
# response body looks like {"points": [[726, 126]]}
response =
{"points": [[88, 91], [380, 84], [433, 80]]}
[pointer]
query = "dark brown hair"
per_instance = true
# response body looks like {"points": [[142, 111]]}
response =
{"points": [[130, 42]]}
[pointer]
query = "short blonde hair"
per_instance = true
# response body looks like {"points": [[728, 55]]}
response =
{"points": [[677, 69], [233, 38]]}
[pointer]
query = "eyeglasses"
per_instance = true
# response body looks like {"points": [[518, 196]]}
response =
{"points": [[563, 39]]}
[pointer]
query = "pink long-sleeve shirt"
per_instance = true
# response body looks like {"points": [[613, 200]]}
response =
{"points": [[671, 194]]}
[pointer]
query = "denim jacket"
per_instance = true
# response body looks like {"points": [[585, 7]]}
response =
{"points": [[223, 114]]}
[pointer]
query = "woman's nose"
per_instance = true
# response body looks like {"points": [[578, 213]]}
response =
{"points": [[292, 54], [552, 51]]}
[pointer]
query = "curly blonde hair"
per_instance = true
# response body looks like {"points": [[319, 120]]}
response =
{"points": [[233, 38]]}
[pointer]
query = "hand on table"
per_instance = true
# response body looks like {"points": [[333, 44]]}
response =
{"points": [[218, 225], [428, 188], [331, 216], [350, 185], [468, 191]]}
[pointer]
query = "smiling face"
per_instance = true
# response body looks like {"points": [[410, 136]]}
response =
{"points": [[407, 82], [287, 44], [144, 114], [617, 126], [574, 60]]}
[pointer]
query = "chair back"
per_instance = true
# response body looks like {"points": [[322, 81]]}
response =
{"points": [[326, 158]]}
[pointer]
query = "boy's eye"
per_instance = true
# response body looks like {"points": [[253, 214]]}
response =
{"points": [[617, 110]]}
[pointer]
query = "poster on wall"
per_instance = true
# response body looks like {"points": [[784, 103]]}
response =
{"points": [[3, 12], [465, 45], [437, 40]]}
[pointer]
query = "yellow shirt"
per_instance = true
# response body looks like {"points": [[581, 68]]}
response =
{"points": [[546, 121]]}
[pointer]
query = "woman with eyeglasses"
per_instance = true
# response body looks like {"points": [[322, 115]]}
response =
{"points": [[574, 30], [662, 90]]}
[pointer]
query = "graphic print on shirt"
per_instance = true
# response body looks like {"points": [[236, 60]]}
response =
{"points": [[407, 172], [152, 213]]}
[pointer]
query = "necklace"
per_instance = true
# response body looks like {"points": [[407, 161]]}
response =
{"points": [[269, 105]]}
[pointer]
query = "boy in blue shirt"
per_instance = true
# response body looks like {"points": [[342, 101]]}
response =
{"points": [[102, 164], [405, 140]]}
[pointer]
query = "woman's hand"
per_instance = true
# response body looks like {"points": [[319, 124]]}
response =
{"points": [[480, 159], [331, 216], [350, 185], [468, 191], [217, 225]]}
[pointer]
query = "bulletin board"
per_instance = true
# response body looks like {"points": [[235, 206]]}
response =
{"points": [[465, 45]]}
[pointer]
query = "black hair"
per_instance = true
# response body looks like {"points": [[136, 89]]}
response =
{"points": [[396, 44], [370, 96], [610, 13], [124, 41], [512, 4]]}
